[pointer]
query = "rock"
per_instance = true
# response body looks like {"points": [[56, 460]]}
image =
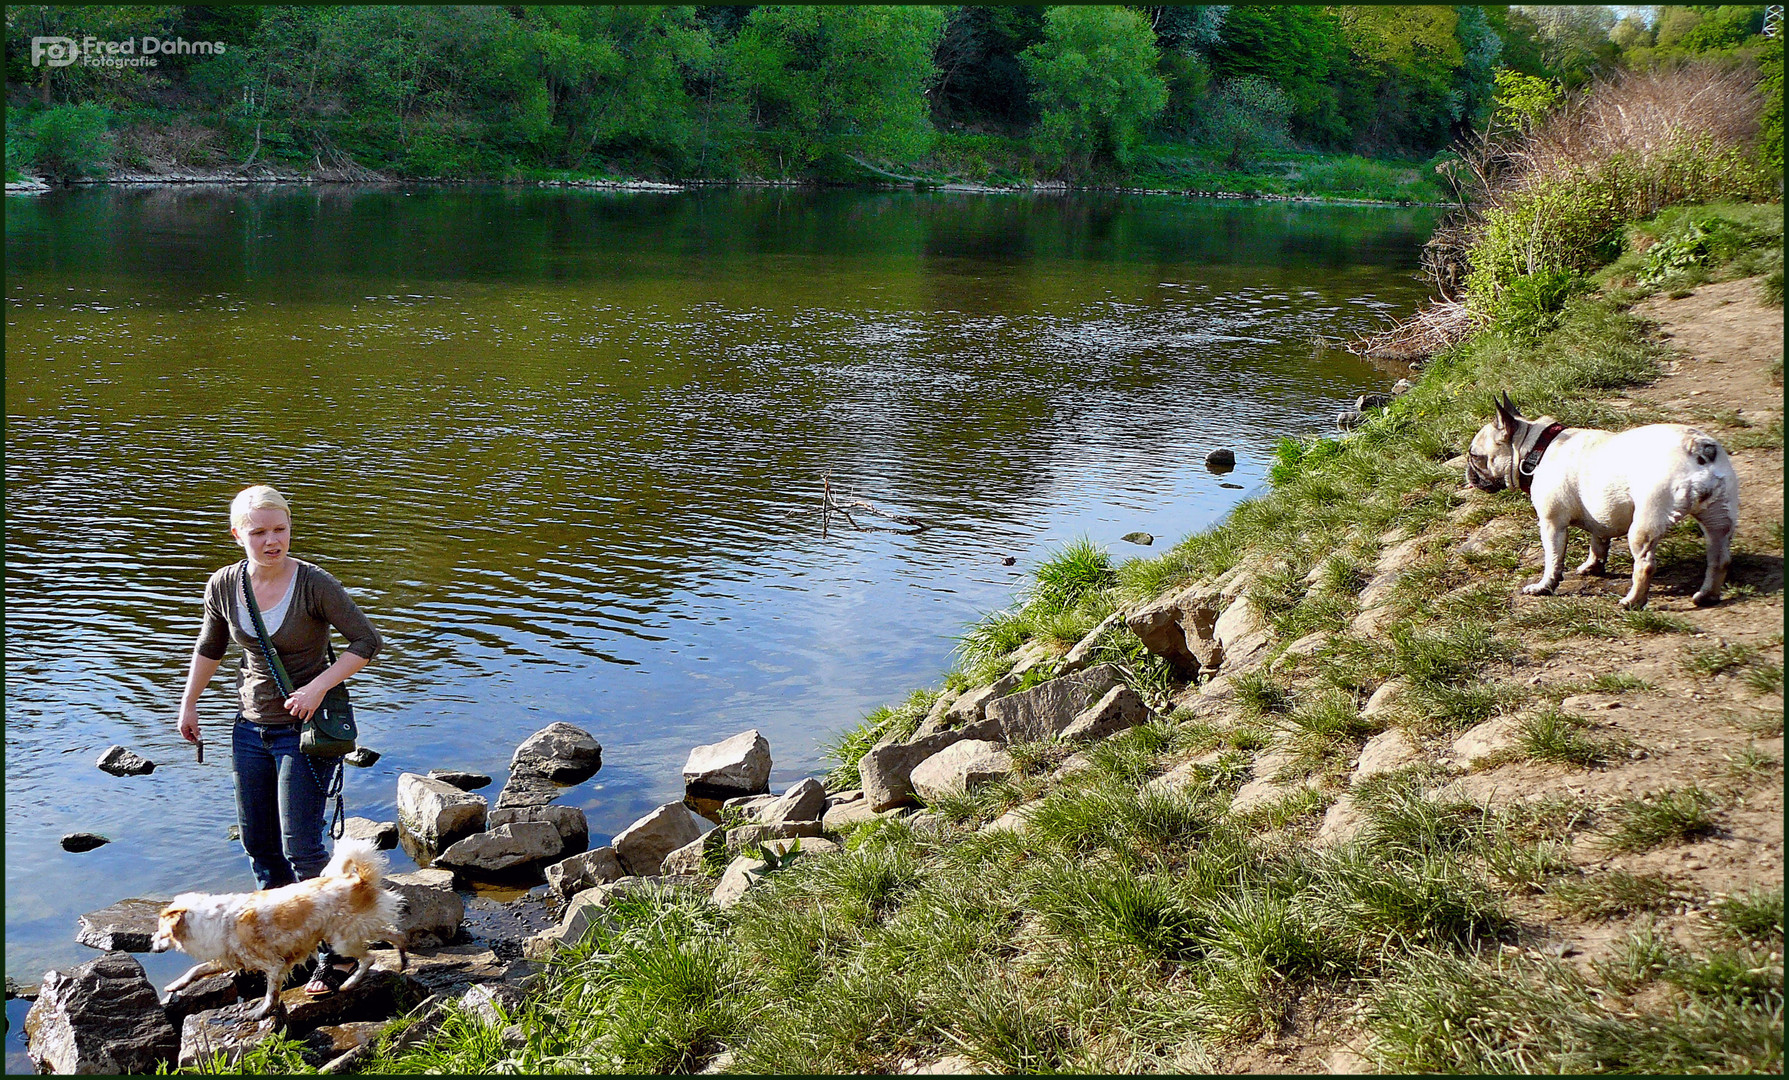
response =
{"points": [[960, 767], [582, 911], [1307, 645], [559, 752], [523, 790], [1384, 752], [345, 1045], [381, 994], [1490, 535], [1121, 708], [746, 835], [568, 877], [939, 714], [741, 874], [1242, 633], [1222, 459], [1373, 401], [1032, 654], [1400, 388], [1044, 710], [1392, 564], [437, 813], [1384, 699], [686, 861], [226, 1030], [25, 991], [126, 926], [887, 770], [1013, 820], [382, 834], [845, 809], [361, 756], [1074, 763], [447, 970], [804, 801], [574, 828], [1495, 734], [465, 781], [1081, 654], [1341, 823], [642, 846], [82, 841], [810, 845], [971, 706], [749, 806], [1159, 626], [432, 910], [948, 1065], [503, 848], [201, 995], [100, 1017], [121, 762], [1142, 538], [740, 764], [490, 1002]]}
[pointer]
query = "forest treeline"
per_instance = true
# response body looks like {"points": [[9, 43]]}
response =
{"points": [[832, 92]]}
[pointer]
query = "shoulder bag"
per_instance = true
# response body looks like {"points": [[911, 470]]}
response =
{"points": [[330, 731]]}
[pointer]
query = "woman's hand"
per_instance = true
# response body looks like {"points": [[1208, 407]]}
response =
{"points": [[189, 723], [305, 699]]}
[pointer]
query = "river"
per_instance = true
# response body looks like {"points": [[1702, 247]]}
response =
{"points": [[566, 448]]}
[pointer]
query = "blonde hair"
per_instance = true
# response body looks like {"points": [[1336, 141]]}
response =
{"points": [[250, 499]]}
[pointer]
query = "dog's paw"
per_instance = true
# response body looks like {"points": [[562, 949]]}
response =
{"points": [[1629, 603], [1591, 569], [1539, 588], [1706, 599]]}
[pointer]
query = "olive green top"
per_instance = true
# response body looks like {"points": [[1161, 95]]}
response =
{"points": [[318, 603]]}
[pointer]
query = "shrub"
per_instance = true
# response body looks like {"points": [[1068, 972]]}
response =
{"points": [[71, 141]]}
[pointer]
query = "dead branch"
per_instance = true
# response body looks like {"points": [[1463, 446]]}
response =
{"points": [[830, 506]]}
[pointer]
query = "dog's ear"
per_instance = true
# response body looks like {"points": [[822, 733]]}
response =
{"points": [[1506, 414]]}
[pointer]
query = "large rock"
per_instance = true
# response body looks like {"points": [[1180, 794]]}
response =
{"points": [[938, 717], [506, 847], [527, 790], [432, 911], [1043, 711], [642, 846], [846, 808], [746, 835], [383, 993], [568, 877], [741, 874], [436, 813], [1177, 628], [1384, 752], [226, 1030], [1342, 823], [1494, 735], [101, 1017], [381, 834], [121, 762], [1242, 633], [574, 828], [200, 995], [959, 767], [465, 781], [1119, 709], [740, 765], [686, 861], [126, 926], [972, 704], [560, 752], [581, 913], [887, 770], [1081, 653], [750, 806], [804, 801]]}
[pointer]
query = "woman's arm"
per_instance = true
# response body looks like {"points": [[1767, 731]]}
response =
{"points": [[305, 700], [198, 675]]}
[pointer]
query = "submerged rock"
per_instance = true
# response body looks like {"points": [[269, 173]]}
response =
{"points": [[1223, 459], [1143, 538], [361, 757]]}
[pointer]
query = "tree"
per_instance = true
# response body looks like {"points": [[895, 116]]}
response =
{"points": [[837, 80], [1299, 49], [1399, 85], [1094, 83], [980, 79]]}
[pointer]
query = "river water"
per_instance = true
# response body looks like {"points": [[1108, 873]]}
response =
{"points": [[567, 449]]}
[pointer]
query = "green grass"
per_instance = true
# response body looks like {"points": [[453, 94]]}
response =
{"points": [[1558, 737], [1612, 895], [849, 746], [1716, 659], [1665, 817]]}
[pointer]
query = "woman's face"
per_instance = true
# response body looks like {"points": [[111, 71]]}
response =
{"points": [[265, 536]]}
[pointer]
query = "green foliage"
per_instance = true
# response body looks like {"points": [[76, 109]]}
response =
{"points": [[1292, 458], [1531, 304], [1666, 816], [1244, 118], [1523, 100], [73, 141], [893, 722], [1094, 85]]}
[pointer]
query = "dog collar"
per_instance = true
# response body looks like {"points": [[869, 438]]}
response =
{"points": [[1532, 460]]}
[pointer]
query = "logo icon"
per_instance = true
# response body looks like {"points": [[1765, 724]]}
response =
{"points": [[54, 51]]}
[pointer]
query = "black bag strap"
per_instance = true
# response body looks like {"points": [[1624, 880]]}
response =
{"points": [[280, 677]]}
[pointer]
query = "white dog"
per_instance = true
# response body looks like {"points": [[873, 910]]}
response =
{"points": [[273, 930], [1640, 482]]}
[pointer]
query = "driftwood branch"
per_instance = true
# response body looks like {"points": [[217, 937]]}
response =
{"points": [[829, 506]]}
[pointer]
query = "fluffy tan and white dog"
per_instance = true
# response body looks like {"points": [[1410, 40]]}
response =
{"points": [[1640, 482], [273, 930]]}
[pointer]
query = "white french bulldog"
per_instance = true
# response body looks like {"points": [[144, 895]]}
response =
{"points": [[1640, 482]]}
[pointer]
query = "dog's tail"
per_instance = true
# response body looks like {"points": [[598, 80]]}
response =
{"points": [[357, 859]]}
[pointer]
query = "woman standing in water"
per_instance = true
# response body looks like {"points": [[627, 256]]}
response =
{"points": [[280, 791]]}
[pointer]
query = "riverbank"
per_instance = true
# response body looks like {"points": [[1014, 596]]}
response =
{"points": [[1411, 819]]}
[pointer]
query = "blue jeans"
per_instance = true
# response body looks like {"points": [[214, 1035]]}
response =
{"points": [[279, 802]]}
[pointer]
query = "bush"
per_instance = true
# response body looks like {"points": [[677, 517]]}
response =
{"points": [[1531, 304], [1094, 84], [1245, 117], [71, 141]]}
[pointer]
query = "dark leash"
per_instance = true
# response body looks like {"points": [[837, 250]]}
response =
{"points": [[332, 789]]}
